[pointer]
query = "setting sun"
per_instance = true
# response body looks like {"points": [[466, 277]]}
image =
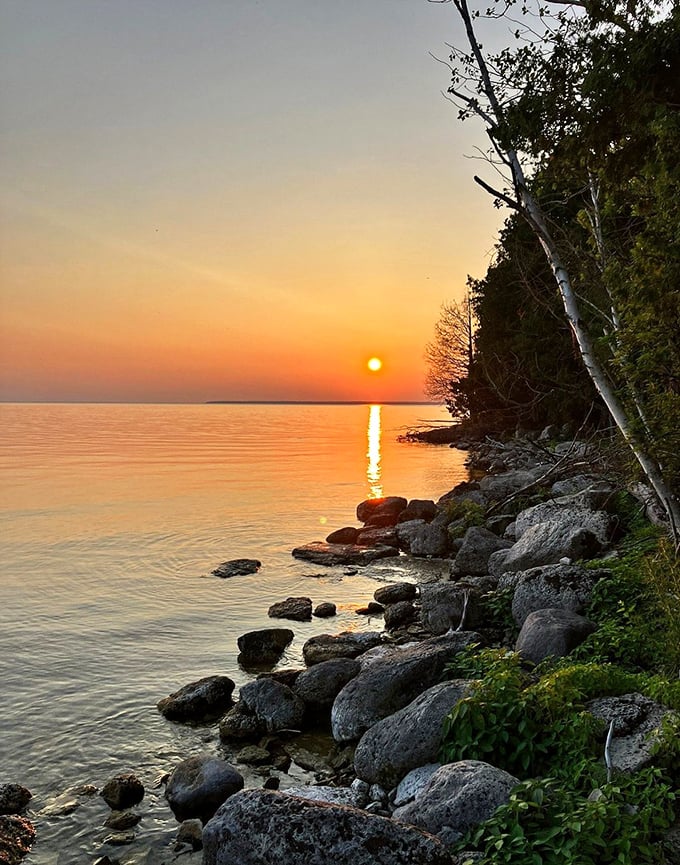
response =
{"points": [[374, 364]]}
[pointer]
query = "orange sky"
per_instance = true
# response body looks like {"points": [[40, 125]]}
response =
{"points": [[229, 200]]}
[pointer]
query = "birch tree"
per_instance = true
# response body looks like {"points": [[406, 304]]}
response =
{"points": [[532, 100]]}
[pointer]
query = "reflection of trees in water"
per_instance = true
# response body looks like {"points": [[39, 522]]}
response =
{"points": [[373, 467]]}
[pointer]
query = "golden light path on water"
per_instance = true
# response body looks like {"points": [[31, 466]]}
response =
{"points": [[373, 468]]}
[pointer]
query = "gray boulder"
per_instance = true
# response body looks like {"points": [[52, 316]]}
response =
{"points": [[551, 633], [264, 646], [199, 785], [545, 544], [637, 721], [340, 554], [348, 644], [567, 587], [14, 798], [442, 605], [395, 592], [430, 540], [240, 723], [409, 738], [331, 795], [406, 532], [499, 486], [204, 700], [391, 681], [258, 827], [473, 556], [298, 609], [237, 568], [567, 514], [399, 614], [372, 537], [412, 785], [458, 797], [319, 685], [274, 705]]}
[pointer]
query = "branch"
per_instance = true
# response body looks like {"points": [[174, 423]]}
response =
{"points": [[497, 194]]}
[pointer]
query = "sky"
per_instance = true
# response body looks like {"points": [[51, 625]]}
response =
{"points": [[230, 199]]}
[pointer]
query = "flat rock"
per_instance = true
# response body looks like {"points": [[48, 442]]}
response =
{"points": [[264, 646], [204, 700], [409, 738], [237, 568], [298, 609], [391, 681], [14, 798], [458, 797], [340, 554], [348, 644], [258, 827], [551, 633], [199, 785]]}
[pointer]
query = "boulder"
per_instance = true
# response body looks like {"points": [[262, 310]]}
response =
{"points": [[394, 592], [372, 608], [391, 681], [551, 633], [240, 723], [287, 675], [545, 544], [442, 605], [199, 785], [375, 511], [190, 833], [429, 539], [204, 700], [341, 554], [319, 685], [274, 705], [458, 797], [406, 532], [419, 509], [569, 516], [16, 837], [298, 609], [466, 491], [122, 791], [409, 738], [14, 798], [258, 827], [411, 785], [324, 610], [473, 556], [346, 535], [637, 722], [348, 644], [264, 646], [237, 568], [372, 537], [401, 613], [567, 587], [330, 795], [499, 486]]}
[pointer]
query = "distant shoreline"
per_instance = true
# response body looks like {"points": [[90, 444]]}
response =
{"points": [[314, 402]]}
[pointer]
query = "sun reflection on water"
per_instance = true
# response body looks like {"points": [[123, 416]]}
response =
{"points": [[373, 468]]}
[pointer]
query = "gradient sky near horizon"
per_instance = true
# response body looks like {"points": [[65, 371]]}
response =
{"points": [[229, 199]]}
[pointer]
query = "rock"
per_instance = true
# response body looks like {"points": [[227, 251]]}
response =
{"points": [[419, 509], [637, 722], [499, 486], [395, 592], [473, 556], [458, 797], [330, 795], [401, 613], [16, 837], [442, 605], [120, 839], [240, 723], [237, 568], [199, 785], [429, 539], [258, 827], [371, 609], [14, 798], [499, 524], [569, 516], [341, 554], [545, 544], [298, 609], [324, 610], [287, 676], [406, 532], [409, 738], [372, 537], [122, 820], [190, 833], [567, 587], [204, 700], [374, 510], [411, 785], [466, 491], [551, 633], [348, 535], [253, 755], [264, 646], [274, 705], [122, 791], [347, 644], [319, 685], [391, 682]]}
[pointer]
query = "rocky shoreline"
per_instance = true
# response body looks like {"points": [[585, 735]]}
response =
{"points": [[520, 539]]}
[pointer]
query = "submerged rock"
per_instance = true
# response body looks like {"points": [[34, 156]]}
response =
{"points": [[325, 610], [237, 568], [14, 798], [298, 609], [123, 791], [340, 554], [204, 700]]}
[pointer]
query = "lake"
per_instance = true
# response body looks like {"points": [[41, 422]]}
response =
{"points": [[113, 517]]}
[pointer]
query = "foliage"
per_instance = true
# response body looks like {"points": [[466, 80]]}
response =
{"points": [[545, 823], [449, 358], [461, 515]]}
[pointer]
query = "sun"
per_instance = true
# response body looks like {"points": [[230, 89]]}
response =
{"points": [[374, 364]]}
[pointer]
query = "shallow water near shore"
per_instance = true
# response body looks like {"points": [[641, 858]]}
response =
{"points": [[112, 518]]}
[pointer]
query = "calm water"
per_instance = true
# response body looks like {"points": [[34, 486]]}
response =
{"points": [[112, 518]]}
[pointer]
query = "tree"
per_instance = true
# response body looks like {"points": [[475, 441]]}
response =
{"points": [[547, 108], [450, 357]]}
